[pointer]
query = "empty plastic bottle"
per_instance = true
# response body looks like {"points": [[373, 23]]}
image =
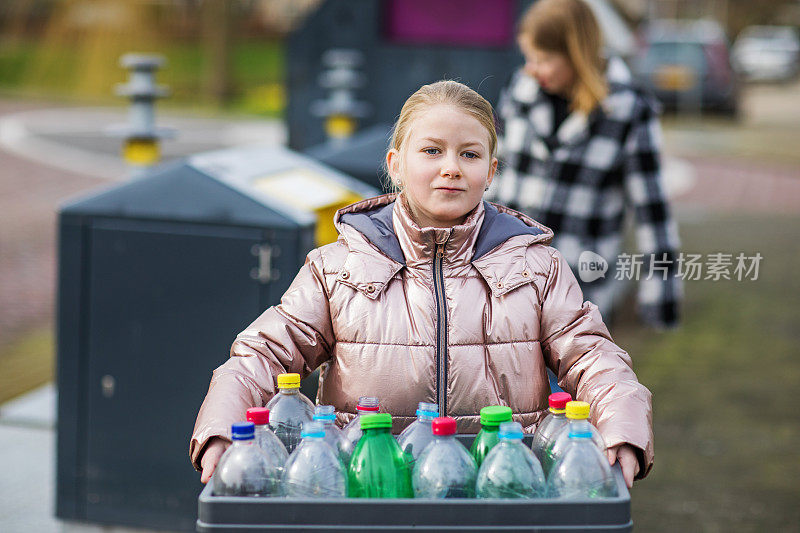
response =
{"points": [[265, 437], [511, 470], [366, 405], [378, 468], [577, 414], [548, 429], [445, 469], [314, 469], [288, 410], [333, 435], [581, 470], [419, 433], [245, 470], [491, 418]]}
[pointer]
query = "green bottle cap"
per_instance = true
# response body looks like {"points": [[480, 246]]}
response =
{"points": [[494, 415], [378, 420]]}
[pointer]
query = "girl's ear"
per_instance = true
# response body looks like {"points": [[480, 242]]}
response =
{"points": [[393, 166], [492, 170]]}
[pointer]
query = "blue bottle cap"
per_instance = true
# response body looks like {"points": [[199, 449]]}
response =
{"points": [[428, 410], [313, 430], [243, 431], [510, 430], [324, 412]]}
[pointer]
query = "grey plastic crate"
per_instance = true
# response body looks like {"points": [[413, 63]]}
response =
{"points": [[239, 514]]}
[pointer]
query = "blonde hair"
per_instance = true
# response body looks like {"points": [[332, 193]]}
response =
{"points": [[447, 92], [569, 28]]}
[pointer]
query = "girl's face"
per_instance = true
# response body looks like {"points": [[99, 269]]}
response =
{"points": [[444, 165], [553, 71]]}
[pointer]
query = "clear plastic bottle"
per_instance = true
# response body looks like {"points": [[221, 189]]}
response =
{"points": [[288, 410], [245, 470], [314, 469], [265, 437], [577, 414], [445, 469], [511, 470], [549, 428], [333, 435], [378, 468], [367, 405], [491, 418], [419, 433], [582, 470]]}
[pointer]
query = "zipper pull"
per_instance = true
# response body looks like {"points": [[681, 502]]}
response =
{"points": [[440, 250]]}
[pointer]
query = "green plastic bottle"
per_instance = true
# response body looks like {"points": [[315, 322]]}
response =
{"points": [[378, 468], [491, 418]]}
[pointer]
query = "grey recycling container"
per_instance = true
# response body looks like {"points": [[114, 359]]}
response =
{"points": [[225, 514], [156, 277]]}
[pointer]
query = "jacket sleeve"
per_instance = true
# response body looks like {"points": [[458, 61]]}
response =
{"points": [[294, 336], [578, 348], [659, 288]]}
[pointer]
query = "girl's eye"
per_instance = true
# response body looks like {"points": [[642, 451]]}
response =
{"points": [[431, 151], [470, 155]]}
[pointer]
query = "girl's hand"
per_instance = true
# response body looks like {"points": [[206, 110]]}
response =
{"points": [[211, 456], [626, 455]]}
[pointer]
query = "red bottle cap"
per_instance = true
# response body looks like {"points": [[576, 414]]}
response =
{"points": [[444, 425], [258, 415], [558, 400]]}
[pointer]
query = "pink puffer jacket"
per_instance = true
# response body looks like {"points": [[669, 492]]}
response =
{"points": [[464, 317]]}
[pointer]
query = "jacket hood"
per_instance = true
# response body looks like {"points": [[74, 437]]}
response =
{"points": [[373, 219]]}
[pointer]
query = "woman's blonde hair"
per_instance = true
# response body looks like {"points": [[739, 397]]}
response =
{"points": [[447, 92], [569, 28]]}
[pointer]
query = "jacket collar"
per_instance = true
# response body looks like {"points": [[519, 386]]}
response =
{"points": [[382, 239], [575, 128]]}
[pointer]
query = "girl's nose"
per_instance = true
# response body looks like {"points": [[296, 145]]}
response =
{"points": [[530, 68], [450, 169]]}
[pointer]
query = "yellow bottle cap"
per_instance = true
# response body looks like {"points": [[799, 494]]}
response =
{"points": [[577, 410], [288, 381]]}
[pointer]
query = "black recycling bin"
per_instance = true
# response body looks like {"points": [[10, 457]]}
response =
{"points": [[156, 277]]}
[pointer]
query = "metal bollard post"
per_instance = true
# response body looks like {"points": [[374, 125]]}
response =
{"points": [[141, 136], [341, 109]]}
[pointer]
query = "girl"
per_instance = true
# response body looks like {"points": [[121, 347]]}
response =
{"points": [[580, 145], [434, 295]]}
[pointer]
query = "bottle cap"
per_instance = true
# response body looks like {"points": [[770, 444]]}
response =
{"points": [[427, 410], [494, 415], [243, 431], [558, 401], [577, 410], [313, 430], [377, 420], [510, 430], [258, 415], [367, 403], [444, 425], [324, 412], [288, 381]]}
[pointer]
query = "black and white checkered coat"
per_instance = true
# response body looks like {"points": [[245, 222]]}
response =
{"points": [[602, 165]]}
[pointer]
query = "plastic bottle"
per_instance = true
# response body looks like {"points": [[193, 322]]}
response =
{"points": [[445, 469], [314, 469], [265, 437], [288, 410], [333, 435], [491, 418], [581, 470], [245, 470], [550, 427], [419, 433], [511, 470], [577, 414], [378, 468], [352, 431]]}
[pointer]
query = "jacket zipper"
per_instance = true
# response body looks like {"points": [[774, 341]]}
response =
{"points": [[441, 330]]}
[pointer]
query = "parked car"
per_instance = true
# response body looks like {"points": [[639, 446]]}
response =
{"points": [[767, 53], [687, 66]]}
